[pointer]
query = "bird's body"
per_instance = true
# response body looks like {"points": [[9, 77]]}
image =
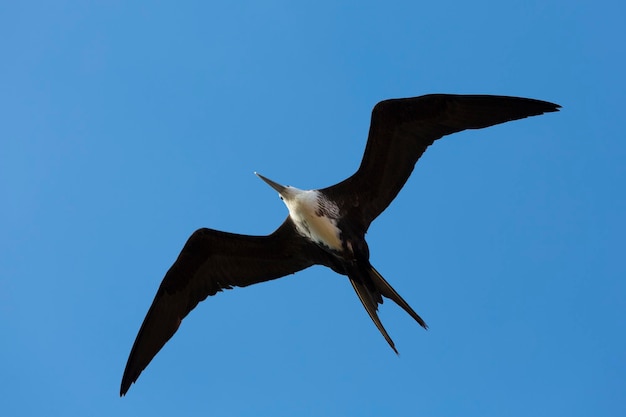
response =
{"points": [[326, 226], [314, 216]]}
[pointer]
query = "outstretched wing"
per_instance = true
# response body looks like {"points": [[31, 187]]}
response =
{"points": [[210, 262], [402, 129]]}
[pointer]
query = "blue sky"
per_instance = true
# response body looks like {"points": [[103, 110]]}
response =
{"points": [[128, 125]]}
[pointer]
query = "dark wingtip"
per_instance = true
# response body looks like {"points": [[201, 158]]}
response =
{"points": [[124, 388], [551, 107], [127, 381], [541, 107]]}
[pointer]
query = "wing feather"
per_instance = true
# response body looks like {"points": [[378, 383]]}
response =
{"points": [[212, 261], [402, 129]]}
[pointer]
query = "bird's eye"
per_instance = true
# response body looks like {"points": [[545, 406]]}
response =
{"points": [[281, 197]]}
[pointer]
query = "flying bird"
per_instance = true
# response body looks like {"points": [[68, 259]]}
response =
{"points": [[325, 226]]}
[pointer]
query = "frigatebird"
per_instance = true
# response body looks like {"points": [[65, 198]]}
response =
{"points": [[325, 226]]}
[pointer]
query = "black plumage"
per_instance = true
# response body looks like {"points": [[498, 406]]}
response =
{"points": [[400, 132]]}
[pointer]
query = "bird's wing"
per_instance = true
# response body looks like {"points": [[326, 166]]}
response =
{"points": [[402, 129], [210, 262]]}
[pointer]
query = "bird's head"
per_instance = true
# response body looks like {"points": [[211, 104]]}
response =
{"points": [[286, 193]]}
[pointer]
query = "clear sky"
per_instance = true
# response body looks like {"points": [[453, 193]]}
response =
{"points": [[125, 126]]}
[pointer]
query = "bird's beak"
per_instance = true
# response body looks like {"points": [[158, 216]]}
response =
{"points": [[274, 185]]}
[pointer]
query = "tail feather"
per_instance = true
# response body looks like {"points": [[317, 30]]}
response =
{"points": [[371, 306], [387, 290], [369, 287]]}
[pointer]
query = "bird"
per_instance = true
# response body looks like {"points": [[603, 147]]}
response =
{"points": [[324, 226]]}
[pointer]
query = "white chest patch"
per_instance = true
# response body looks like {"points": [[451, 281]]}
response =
{"points": [[315, 218]]}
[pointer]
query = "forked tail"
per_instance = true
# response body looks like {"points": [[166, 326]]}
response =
{"points": [[370, 286]]}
